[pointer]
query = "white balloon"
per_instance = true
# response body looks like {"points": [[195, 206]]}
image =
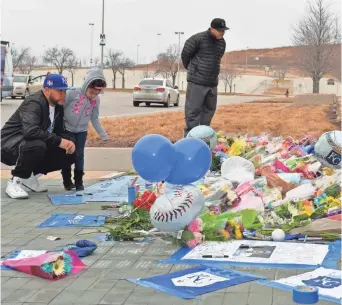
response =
{"points": [[237, 169], [176, 208], [204, 133], [328, 149]]}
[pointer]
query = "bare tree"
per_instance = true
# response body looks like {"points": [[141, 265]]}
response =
{"points": [[124, 64], [29, 64], [168, 63], [114, 61], [58, 57], [316, 35], [227, 75], [72, 66], [147, 74], [19, 56]]}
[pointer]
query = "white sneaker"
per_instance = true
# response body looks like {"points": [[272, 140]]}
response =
{"points": [[33, 184], [14, 189]]}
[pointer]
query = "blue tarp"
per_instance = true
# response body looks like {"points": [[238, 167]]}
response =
{"points": [[190, 283], [73, 220], [115, 190]]}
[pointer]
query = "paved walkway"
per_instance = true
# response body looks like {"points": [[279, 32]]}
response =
{"points": [[103, 280]]}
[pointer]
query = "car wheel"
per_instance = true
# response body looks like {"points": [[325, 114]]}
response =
{"points": [[177, 102], [136, 104], [27, 93], [167, 104], [148, 104]]}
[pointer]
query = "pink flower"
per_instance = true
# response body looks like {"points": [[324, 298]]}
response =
{"points": [[196, 225], [198, 237], [192, 243]]}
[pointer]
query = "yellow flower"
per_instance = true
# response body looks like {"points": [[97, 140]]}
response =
{"points": [[237, 146], [237, 231], [58, 267], [328, 171], [221, 140]]}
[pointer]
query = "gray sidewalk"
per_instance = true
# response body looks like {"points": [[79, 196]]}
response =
{"points": [[103, 280]]}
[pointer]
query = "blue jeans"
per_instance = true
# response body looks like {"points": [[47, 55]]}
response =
{"points": [[81, 138]]}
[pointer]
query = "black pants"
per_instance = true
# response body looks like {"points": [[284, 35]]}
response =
{"points": [[200, 105], [81, 139], [38, 158]]}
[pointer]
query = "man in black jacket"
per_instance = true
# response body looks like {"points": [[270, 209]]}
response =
{"points": [[34, 139], [201, 56]]}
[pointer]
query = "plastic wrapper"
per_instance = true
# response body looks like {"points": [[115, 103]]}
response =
{"points": [[294, 178], [301, 192], [238, 170], [249, 201], [274, 181], [216, 191], [272, 195], [50, 265]]}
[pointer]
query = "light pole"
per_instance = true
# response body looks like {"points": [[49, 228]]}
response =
{"points": [[179, 55], [91, 43], [246, 59], [159, 34], [136, 66], [102, 36]]}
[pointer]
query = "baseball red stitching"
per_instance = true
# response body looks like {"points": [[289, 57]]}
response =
{"points": [[174, 213]]}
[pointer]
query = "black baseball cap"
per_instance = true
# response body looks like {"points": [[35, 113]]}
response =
{"points": [[219, 24]]}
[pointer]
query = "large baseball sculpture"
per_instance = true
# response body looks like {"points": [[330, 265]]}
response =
{"points": [[176, 208]]}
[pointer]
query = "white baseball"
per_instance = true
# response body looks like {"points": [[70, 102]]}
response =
{"points": [[176, 208]]}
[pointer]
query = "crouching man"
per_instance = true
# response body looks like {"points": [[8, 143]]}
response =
{"points": [[34, 139]]}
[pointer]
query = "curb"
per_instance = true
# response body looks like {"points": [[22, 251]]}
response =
{"points": [[104, 159]]}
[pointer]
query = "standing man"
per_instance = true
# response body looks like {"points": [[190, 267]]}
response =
{"points": [[34, 138], [201, 56]]}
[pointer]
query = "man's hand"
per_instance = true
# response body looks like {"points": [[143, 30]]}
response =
{"points": [[69, 146]]}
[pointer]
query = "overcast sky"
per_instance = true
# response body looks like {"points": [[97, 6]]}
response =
{"points": [[41, 24]]}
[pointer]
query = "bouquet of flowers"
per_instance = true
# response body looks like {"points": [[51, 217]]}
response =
{"points": [[51, 265], [192, 235]]}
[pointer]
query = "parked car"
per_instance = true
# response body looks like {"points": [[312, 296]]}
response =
{"points": [[155, 91], [25, 84], [331, 81], [20, 85], [6, 70]]}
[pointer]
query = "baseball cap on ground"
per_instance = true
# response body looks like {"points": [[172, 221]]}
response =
{"points": [[55, 81], [219, 24]]}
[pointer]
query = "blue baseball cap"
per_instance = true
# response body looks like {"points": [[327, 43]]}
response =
{"points": [[55, 81]]}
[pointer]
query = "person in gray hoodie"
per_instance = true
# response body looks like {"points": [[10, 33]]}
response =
{"points": [[80, 107]]}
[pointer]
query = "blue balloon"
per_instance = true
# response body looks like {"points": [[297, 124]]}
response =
{"points": [[193, 160], [153, 157]]}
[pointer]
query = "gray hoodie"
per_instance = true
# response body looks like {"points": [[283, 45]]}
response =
{"points": [[79, 110]]}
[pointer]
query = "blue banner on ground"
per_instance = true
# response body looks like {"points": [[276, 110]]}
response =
{"points": [[190, 283], [115, 190], [73, 220], [327, 281]]}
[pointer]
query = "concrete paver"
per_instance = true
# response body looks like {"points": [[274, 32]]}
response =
{"points": [[103, 282]]}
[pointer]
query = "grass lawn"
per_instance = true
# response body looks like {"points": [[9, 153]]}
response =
{"points": [[252, 118]]}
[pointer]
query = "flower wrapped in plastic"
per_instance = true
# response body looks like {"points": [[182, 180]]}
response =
{"points": [[192, 235], [51, 265]]}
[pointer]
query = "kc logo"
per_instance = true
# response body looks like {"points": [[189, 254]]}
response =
{"points": [[325, 282], [334, 158]]}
